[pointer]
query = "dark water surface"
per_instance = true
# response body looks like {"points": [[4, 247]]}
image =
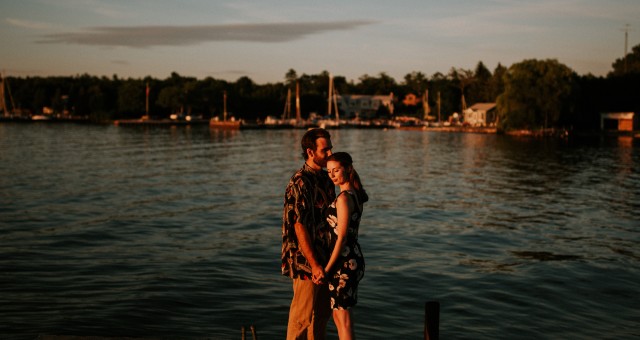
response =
{"points": [[175, 232]]}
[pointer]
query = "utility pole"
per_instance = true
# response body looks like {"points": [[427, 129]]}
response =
{"points": [[146, 105], [438, 102], [224, 106], [626, 42], [298, 115], [3, 105], [425, 105], [287, 106]]}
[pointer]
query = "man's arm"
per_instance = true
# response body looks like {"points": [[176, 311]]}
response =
{"points": [[304, 242]]}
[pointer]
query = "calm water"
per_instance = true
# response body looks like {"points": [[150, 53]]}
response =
{"points": [[175, 232]]}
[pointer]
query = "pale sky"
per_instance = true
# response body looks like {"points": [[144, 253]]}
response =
{"points": [[263, 39]]}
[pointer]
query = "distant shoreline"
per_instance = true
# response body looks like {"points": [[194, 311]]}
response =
{"points": [[561, 133]]}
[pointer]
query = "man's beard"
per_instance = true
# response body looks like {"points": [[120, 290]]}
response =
{"points": [[315, 161]]}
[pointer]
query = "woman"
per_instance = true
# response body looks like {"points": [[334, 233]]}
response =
{"points": [[346, 264]]}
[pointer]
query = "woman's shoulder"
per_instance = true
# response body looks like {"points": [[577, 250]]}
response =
{"points": [[349, 197], [348, 193]]}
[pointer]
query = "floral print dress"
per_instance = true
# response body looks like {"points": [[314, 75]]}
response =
{"points": [[349, 269]]}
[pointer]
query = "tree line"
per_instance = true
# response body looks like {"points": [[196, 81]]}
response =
{"points": [[532, 94]]}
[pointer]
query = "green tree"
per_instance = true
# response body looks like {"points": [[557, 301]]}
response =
{"points": [[131, 98], [244, 86], [290, 78], [314, 92], [496, 83], [190, 96], [383, 84], [443, 93], [98, 102], [537, 94], [416, 82], [631, 64], [480, 89], [212, 93], [462, 79], [169, 99]]}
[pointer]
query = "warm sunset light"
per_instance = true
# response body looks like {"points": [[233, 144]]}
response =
{"points": [[263, 39], [282, 169]]}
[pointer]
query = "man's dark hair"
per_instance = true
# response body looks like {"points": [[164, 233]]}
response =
{"points": [[309, 140]]}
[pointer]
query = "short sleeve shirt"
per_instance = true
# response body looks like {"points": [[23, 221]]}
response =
{"points": [[306, 198]]}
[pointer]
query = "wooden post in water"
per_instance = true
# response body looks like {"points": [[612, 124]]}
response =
{"points": [[254, 335], [432, 320]]}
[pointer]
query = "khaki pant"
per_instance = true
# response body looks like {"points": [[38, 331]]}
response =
{"points": [[310, 311]]}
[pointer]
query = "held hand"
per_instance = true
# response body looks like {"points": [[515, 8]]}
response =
{"points": [[318, 275]]}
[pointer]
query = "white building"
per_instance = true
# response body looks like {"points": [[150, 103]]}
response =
{"points": [[480, 114], [621, 121], [363, 106]]}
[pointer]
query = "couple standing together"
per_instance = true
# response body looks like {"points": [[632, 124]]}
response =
{"points": [[320, 249]]}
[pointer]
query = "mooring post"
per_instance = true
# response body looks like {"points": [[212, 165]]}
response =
{"points": [[432, 320], [254, 335]]}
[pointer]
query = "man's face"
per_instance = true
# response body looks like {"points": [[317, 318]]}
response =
{"points": [[322, 152]]}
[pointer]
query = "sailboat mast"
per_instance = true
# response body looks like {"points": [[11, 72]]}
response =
{"points": [[298, 116], [4, 90], [225, 106], [335, 104], [425, 105], [3, 105], [332, 100], [330, 95], [287, 106], [146, 104], [438, 106]]}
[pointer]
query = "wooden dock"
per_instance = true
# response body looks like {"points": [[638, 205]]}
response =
{"points": [[158, 122]]}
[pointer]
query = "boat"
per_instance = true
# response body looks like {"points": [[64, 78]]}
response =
{"points": [[328, 124], [232, 123], [287, 121], [224, 124], [4, 93], [332, 100], [40, 117], [274, 123]]}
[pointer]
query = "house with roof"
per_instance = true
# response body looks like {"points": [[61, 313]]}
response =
{"points": [[363, 106], [411, 100], [480, 114], [618, 121]]}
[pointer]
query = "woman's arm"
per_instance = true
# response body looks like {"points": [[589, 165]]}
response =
{"points": [[304, 242], [344, 208]]}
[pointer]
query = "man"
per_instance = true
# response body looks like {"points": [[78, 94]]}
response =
{"points": [[308, 194]]}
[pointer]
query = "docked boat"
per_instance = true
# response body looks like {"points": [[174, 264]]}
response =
{"points": [[332, 100], [225, 124], [5, 111], [273, 123], [40, 117], [232, 123]]}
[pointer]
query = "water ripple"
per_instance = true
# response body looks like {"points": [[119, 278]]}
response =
{"points": [[175, 232]]}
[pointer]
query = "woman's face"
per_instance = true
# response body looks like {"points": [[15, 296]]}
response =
{"points": [[337, 172]]}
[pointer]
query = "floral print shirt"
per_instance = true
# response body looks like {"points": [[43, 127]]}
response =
{"points": [[306, 198]]}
